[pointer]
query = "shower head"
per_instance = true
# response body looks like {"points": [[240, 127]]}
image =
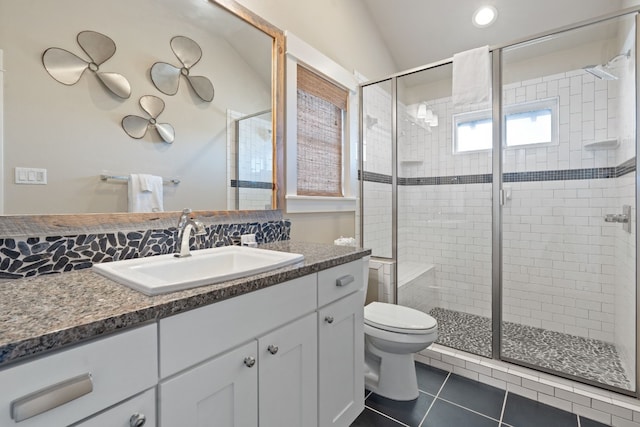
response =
{"points": [[600, 72]]}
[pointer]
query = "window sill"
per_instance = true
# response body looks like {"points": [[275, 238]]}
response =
{"points": [[308, 204]]}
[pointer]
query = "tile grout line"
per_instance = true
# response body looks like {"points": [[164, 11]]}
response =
{"points": [[504, 407], [434, 399], [386, 416]]}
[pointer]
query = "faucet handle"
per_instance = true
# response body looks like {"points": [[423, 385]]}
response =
{"points": [[184, 217]]}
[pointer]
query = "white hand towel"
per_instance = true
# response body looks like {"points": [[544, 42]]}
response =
{"points": [[145, 193], [471, 76]]}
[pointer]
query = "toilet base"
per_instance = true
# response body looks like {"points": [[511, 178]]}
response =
{"points": [[390, 375]]}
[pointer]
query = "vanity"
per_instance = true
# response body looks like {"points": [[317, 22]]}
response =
{"points": [[282, 348]]}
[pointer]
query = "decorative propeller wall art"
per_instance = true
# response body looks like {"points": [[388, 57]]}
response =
{"points": [[137, 127], [166, 77], [67, 68]]}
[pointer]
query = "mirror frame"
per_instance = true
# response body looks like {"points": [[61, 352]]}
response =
{"points": [[61, 224]]}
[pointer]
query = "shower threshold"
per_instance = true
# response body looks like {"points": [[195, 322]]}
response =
{"points": [[581, 357]]}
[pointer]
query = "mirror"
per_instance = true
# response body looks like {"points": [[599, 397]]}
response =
{"points": [[74, 132]]}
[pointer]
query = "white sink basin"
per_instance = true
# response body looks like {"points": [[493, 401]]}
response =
{"points": [[165, 273]]}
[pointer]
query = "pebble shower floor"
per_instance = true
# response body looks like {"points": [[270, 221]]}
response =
{"points": [[582, 357]]}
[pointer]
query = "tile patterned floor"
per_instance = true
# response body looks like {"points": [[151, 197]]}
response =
{"points": [[582, 357], [449, 400]]}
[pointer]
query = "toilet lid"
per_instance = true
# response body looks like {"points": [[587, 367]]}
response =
{"points": [[396, 318]]}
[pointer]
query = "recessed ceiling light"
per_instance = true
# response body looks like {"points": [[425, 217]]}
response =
{"points": [[485, 16]]}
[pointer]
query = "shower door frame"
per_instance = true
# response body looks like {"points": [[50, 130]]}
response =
{"points": [[497, 187]]}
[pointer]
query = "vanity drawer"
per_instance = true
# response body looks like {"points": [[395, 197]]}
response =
{"points": [[80, 381], [141, 409], [197, 335], [337, 282]]}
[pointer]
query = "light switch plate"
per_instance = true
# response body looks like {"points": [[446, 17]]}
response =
{"points": [[32, 176]]}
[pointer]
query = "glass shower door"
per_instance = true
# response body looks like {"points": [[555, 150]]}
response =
{"points": [[254, 162], [444, 213], [568, 218], [376, 175]]}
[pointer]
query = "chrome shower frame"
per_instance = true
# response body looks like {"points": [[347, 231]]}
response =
{"points": [[496, 191]]}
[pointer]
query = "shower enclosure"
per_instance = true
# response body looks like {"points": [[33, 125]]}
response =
{"points": [[513, 222], [250, 162]]}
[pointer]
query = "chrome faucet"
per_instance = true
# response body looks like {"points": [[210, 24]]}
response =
{"points": [[185, 226]]}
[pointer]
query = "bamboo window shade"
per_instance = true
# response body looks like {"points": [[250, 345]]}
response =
{"points": [[320, 134]]}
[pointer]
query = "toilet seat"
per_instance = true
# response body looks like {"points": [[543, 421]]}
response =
{"points": [[397, 318]]}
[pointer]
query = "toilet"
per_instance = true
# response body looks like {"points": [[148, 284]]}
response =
{"points": [[392, 334]]}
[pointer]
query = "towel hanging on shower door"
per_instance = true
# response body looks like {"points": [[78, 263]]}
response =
{"points": [[471, 77]]}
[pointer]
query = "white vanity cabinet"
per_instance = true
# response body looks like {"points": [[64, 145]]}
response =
{"points": [[341, 344], [242, 360], [288, 378], [71, 385], [287, 355], [221, 392]]}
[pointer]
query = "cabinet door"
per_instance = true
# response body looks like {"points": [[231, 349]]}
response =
{"points": [[140, 409], [288, 380], [341, 361], [222, 392]]}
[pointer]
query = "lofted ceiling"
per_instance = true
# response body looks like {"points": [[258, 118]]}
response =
{"points": [[419, 32]]}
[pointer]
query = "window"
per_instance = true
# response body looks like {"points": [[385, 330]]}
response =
{"points": [[321, 106], [321, 149], [529, 123]]}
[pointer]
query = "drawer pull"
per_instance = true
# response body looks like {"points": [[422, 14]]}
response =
{"points": [[328, 319], [249, 361], [137, 420], [345, 280], [51, 397]]}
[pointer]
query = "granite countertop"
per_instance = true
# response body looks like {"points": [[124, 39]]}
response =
{"points": [[52, 311]]}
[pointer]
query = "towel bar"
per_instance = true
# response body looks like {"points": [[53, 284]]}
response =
{"points": [[104, 177]]}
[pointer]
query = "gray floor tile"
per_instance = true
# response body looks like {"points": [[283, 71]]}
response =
{"points": [[522, 412], [474, 395], [409, 412], [445, 414]]}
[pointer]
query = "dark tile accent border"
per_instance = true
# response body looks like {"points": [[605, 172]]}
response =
{"points": [[560, 175], [444, 180], [251, 184], [375, 177], [34, 256], [627, 167]]}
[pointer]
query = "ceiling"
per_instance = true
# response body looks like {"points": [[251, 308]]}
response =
{"points": [[419, 32]]}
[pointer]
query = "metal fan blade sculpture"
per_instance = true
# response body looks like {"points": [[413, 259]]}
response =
{"points": [[67, 68], [136, 126], [166, 77]]}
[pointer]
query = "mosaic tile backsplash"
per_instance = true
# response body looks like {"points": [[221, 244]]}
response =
{"points": [[35, 256]]}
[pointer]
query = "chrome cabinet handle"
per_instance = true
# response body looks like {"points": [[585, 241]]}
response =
{"points": [[345, 280], [328, 319], [249, 361], [273, 349], [51, 397], [137, 420]]}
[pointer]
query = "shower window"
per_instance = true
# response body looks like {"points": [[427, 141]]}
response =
{"points": [[526, 123]]}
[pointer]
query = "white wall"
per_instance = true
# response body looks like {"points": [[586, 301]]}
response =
{"points": [[75, 131], [342, 30]]}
